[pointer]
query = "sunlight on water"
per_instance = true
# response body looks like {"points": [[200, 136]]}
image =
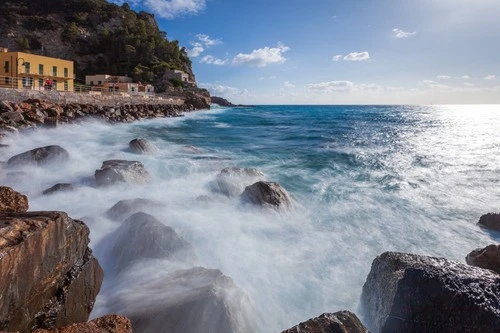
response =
{"points": [[364, 180]]}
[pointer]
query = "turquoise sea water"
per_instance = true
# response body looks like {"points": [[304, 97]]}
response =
{"points": [[364, 180]]}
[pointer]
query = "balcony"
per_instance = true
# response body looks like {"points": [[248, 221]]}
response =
{"points": [[50, 74]]}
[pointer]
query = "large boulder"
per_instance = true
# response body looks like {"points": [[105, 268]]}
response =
{"points": [[48, 276], [488, 258], [338, 322], [40, 157], [196, 300], [12, 201], [60, 187], [232, 181], [266, 194], [124, 208], [106, 324], [142, 147], [142, 236], [413, 293], [490, 221], [119, 171]]}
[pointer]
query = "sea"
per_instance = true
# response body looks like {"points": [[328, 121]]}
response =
{"points": [[363, 180]]}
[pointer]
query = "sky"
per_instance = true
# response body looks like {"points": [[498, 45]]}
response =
{"points": [[338, 51]]}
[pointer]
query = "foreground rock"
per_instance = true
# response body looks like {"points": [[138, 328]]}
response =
{"points": [[121, 171], [232, 181], [40, 157], [338, 322], [488, 258], [124, 208], [412, 293], [267, 194], [106, 324], [490, 221], [60, 187], [196, 300], [48, 276], [12, 201], [142, 147], [141, 237]]}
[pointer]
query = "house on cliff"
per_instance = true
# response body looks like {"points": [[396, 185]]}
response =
{"points": [[20, 70]]}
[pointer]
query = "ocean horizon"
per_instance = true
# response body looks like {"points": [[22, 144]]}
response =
{"points": [[364, 179]]}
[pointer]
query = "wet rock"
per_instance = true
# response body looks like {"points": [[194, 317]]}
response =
{"points": [[490, 221], [142, 236], [412, 293], [61, 187], [192, 150], [124, 208], [488, 258], [118, 171], [142, 146], [48, 275], [12, 116], [40, 157], [232, 181], [338, 322], [267, 194], [196, 300], [107, 324], [12, 201]]}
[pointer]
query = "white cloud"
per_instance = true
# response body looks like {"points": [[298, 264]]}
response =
{"points": [[262, 57], [399, 33], [173, 8], [272, 77], [357, 56], [207, 41], [288, 85], [466, 77], [490, 77], [432, 84], [443, 77], [196, 50], [468, 84], [208, 59], [337, 57], [331, 86], [218, 89]]}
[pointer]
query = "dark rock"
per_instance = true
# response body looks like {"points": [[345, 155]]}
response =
{"points": [[221, 101], [196, 300], [12, 201], [197, 99], [124, 208], [488, 258], [412, 293], [40, 157], [61, 187], [48, 275], [117, 171], [490, 221], [232, 181], [142, 236], [107, 324], [338, 322], [12, 116], [142, 146], [266, 194]]}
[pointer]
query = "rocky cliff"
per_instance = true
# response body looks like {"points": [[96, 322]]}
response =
{"points": [[99, 36]]}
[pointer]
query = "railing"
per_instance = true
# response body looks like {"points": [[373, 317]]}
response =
{"points": [[36, 72]]}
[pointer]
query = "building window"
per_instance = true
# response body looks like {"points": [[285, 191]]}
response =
{"points": [[6, 67], [27, 67], [54, 70], [40, 82], [40, 69], [65, 85], [65, 72], [99, 82], [54, 84], [91, 83], [27, 81], [6, 80], [132, 89]]}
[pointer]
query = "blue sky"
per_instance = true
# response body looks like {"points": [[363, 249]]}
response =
{"points": [[339, 52]]}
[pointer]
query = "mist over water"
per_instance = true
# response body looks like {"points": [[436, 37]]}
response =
{"points": [[364, 180]]}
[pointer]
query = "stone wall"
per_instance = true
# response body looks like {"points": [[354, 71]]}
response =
{"points": [[17, 96]]}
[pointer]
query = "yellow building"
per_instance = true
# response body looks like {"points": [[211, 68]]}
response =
{"points": [[30, 71]]}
